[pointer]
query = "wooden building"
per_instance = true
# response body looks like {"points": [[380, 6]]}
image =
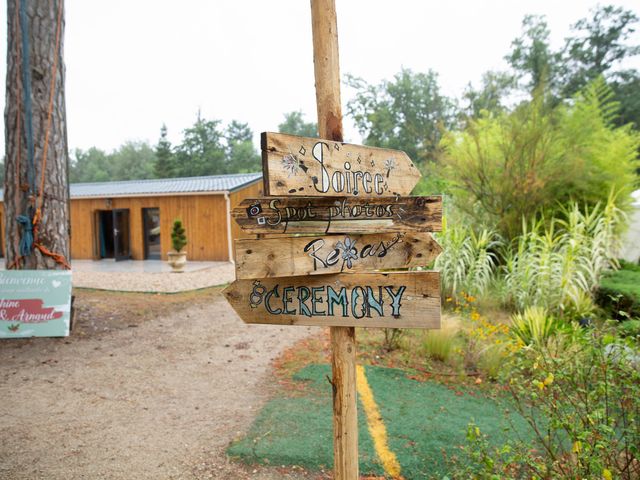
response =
{"points": [[133, 219]]}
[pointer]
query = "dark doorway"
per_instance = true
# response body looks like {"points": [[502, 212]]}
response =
{"points": [[113, 234], [121, 234], [151, 232]]}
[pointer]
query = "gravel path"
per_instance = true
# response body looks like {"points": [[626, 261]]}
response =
{"points": [[160, 401], [155, 282]]}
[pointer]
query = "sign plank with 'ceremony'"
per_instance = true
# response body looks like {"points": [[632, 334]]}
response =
{"points": [[388, 300], [311, 166], [309, 255], [339, 214]]}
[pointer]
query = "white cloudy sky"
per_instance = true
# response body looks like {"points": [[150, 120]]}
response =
{"points": [[134, 64]]}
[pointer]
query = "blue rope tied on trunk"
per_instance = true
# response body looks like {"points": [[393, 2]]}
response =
{"points": [[26, 242]]}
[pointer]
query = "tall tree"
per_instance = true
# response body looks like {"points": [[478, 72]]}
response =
{"points": [[531, 56], [92, 165], [491, 96], [163, 167], [408, 113], [598, 46], [201, 151], [294, 124], [241, 154], [36, 191]]}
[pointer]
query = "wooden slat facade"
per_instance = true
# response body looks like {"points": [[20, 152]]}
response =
{"points": [[206, 219]]}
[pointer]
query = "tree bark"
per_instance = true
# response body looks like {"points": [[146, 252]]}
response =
{"points": [[22, 196]]}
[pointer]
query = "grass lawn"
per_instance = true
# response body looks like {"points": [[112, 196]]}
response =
{"points": [[426, 423]]}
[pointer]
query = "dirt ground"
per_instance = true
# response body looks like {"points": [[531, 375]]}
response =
{"points": [[147, 387]]}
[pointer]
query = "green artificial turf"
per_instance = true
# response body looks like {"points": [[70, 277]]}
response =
{"points": [[426, 424]]}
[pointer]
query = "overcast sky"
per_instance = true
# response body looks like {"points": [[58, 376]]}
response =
{"points": [[134, 64]]}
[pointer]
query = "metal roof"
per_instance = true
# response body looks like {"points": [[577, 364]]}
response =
{"points": [[162, 186]]}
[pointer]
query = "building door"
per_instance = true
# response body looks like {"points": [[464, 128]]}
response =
{"points": [[151, 232], [121, 233]]}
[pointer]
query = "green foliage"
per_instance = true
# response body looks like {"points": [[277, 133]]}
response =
{"points": [[534, 326], [490, 97], [511, 166], [619, 291], [630, 329], [583, 407], [438, 344], [408, 113], [178, 236], [492, 360], [599, 44], [554, 266], [531, 56], [392, 338], [468, 260], [132, 160], [294, 124], [240, 152], [201, 151], [205, 149], [163, 167]]}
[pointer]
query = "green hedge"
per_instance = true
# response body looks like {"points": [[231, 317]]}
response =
{"points": [[620, 291]]}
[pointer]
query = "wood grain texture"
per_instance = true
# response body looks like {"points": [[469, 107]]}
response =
{"points": [[390, 300], [339, 214], [312, 255], [295, 165]]}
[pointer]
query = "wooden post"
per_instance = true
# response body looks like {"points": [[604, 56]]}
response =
{"points": [[343, 339]]}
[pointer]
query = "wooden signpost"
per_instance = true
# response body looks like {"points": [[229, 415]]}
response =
{"points": [[388, 300], [311, 166], [323, 186], [339, 214], [312, 255]]}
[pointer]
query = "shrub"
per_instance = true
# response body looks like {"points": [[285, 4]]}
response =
{"points": [[492, 360], [619, 291], [438, 344], [583, 409], [534, 326], [178, 237], [468, 260], [556, 265], [532, 160]]}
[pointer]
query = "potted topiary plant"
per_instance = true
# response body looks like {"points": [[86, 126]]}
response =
{"points": [[177, 258]]}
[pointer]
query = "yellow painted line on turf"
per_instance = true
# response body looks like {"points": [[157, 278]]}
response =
{"points": [[376, 426]]}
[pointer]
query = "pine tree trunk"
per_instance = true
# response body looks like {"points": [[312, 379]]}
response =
{"points": [[21, 197]]}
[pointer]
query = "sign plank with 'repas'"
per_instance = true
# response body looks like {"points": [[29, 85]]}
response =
{"points": [[309, 255], [295, 165], [339, 214], [389, 300]]}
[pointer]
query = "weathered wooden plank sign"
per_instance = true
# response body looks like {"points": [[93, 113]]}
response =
{"points": [[391, 300], [295, 165], [339, 214], [309, 255]]}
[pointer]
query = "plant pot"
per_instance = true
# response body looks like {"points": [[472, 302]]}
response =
{"points": [[177, 261]]}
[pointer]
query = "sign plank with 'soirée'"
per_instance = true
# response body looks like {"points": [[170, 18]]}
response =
{"points": [[339, 214], [389, 300], [309, 255], [35, 303], [295, 165]]}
